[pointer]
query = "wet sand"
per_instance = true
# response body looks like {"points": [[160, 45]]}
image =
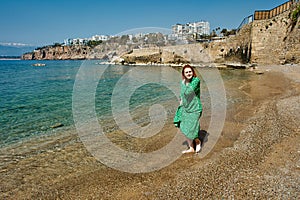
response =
{"points": [[256, 157]]}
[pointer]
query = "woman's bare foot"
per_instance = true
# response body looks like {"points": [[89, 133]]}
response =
{"points": [[190, 150]]}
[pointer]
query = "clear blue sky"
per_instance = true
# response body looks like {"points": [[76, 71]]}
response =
{"points": [[44, 22]]}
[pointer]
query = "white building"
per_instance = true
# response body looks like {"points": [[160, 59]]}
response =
{"points": [[82, 41], [99, 37], [201, 28], [182, 31], [78, 41]]}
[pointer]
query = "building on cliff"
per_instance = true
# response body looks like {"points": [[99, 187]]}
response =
{"points": [[194, 29], [84, 41]]}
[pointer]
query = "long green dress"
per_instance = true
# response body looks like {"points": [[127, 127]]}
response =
{"points": [[191, 108]]}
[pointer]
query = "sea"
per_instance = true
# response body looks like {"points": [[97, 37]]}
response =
{"points": [[38, 101]]}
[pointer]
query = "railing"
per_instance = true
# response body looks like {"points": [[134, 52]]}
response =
{"points": [[267, 14], [245, 21]]}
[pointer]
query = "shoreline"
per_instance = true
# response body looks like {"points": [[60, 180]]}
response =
{"points": [[10, 59], [230, 170], [224, 65]]}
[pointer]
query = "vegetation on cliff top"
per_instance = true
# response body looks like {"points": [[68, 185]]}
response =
{"points": [[294, 16]]}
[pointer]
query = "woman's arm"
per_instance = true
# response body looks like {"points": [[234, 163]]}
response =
{"points": [[193, 86]]}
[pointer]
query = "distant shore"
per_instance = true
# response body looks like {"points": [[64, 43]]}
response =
{"points": [[10, 57], [224, 65]]}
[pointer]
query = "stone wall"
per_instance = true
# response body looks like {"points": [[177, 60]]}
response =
{"points": [[276, 40], [234, 48], [193, 53]]}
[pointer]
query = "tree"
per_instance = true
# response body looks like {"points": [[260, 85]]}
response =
{"points": [[224, 32], [213, 33], [57, 44], [93, 43], [232, 32]]}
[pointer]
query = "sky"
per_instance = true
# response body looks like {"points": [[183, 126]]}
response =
{"points": [[45, 22]]}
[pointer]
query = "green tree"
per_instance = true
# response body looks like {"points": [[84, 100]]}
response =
{"points": [[224, 32], [57, 44], [213, 33], [93, 43]]}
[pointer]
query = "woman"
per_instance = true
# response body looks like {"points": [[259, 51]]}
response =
{"points": [[191, 108]]}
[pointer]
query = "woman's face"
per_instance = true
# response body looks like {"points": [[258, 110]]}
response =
{"points": [[188, 73]]}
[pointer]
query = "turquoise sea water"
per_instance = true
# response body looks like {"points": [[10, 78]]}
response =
{"points": [[33, 99]]}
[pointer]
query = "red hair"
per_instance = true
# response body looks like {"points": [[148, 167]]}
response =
{"points": [[188, 66]]}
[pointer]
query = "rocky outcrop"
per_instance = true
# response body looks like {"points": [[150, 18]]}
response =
{"points": [[107, 50], [236, 48], [59, 53], [152, 56]]}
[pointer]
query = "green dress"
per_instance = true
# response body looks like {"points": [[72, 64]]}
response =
{"points": [[191, 108]]}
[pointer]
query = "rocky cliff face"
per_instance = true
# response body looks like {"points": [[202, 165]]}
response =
{"points": [[155, 55], [59, 53], [235, 48], [115, 46], [104, 51]]}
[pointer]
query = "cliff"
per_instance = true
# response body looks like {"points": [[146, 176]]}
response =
{"points": [[115, 46], [234, 49], [58, 53]]}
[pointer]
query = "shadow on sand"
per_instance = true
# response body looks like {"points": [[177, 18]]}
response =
{"points": [[203, 137]]}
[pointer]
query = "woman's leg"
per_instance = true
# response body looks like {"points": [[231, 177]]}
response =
{"points": [[198, 145], [191, 146], [190, 142]]}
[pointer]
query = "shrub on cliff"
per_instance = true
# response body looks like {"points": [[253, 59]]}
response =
{"points": [[93, 43], [295, 14]]}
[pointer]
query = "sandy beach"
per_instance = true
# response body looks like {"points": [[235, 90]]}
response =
{"points": [[256, 157]]}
